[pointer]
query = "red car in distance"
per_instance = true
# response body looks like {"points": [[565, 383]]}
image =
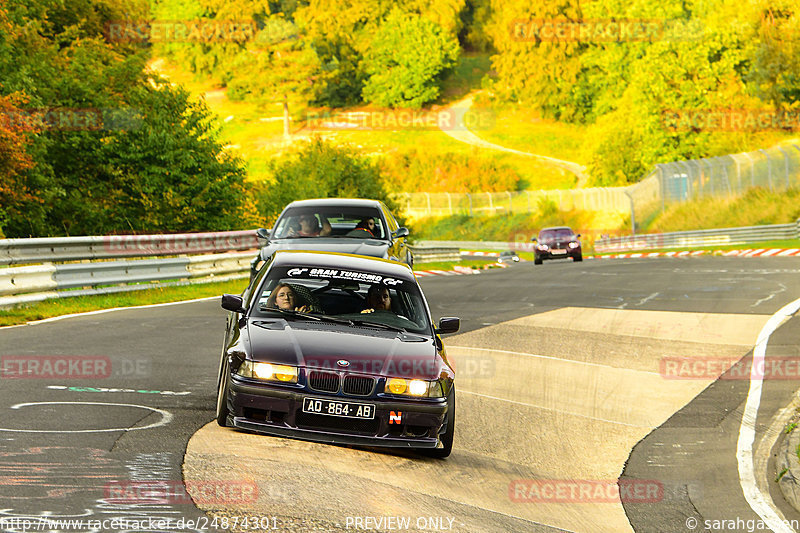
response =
{"points": [[557, 243]]}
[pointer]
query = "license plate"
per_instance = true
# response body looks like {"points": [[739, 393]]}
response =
{"points": [[319, 406], [558, 252]]}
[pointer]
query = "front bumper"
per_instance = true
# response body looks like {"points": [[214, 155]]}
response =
{"points": [[571, 253], [278, 411]]}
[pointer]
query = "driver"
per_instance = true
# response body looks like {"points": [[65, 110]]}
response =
{"points": [[378, 299], [284, 297], [310, 228]]}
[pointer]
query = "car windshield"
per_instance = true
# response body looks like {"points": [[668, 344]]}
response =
{"points": [[345, 296], [330, 221], [551, 234]]}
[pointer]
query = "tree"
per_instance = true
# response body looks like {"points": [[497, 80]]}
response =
{"points": [[319, 169], [406, 61]]}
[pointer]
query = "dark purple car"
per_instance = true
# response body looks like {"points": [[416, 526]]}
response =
{"points": [[337, 348], [557, 243]]}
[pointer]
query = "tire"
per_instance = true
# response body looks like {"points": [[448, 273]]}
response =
{"points": [[578, 257], [537, 260], [447, 437], [222, 394]]}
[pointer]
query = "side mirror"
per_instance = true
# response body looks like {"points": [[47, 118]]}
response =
{"points": [[400, 232], [448, 324], [263, 233], [534, 240], [233, 302], [578, 236]]}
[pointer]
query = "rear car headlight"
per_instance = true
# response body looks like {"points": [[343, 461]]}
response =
{"points": [[574, 244], [417, 388], [268, 372]]}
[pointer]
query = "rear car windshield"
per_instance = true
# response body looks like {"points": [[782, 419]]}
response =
{"points": [[344, 294], [342, 221]]}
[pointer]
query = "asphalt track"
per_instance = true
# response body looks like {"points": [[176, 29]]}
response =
{"points": [[562, 383]]}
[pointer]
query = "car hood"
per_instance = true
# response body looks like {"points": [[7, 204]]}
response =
{"points": [[384, 353], [368, 247]]}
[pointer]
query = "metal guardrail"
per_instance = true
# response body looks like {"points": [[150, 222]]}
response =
{"points": [[95, 274], [38, 250], [709, 237], [429, 254]]}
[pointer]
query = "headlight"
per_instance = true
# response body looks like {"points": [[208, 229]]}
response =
{"points": [[574, 244], [268, 372], [414, 387], [543, 247]]}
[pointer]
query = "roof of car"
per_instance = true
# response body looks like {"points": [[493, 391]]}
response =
{"points": [[556, 227], [342, 261], [339, 202]]}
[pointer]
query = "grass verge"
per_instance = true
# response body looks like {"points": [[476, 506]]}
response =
{"points": [[81, 304]]}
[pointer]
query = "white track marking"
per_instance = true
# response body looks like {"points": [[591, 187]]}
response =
{"points": [[166, 418], [760, 503], [101, 311]]}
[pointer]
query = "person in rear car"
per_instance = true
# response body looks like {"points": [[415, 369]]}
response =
{"points": [[378, 299]]}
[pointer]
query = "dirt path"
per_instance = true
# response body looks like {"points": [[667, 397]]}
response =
{"points": [[460, 132]]}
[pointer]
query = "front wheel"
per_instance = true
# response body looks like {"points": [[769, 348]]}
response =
{"points": [[222, 395], [537, 260], [578, 257], [446, 438]]}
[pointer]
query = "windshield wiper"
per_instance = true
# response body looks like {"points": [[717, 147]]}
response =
{"points": [[309, 316], [377, 325]]}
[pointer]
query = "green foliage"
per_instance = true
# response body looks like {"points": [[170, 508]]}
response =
{"points": [[423, 171], [319, 169], [149, 160], [406, 61]]}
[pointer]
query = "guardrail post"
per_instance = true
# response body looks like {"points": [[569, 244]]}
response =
{"points": [[785, 164], [510, 207], [428, 198], [469, 197], [633, 212], [769, 167], [449, 203]]}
